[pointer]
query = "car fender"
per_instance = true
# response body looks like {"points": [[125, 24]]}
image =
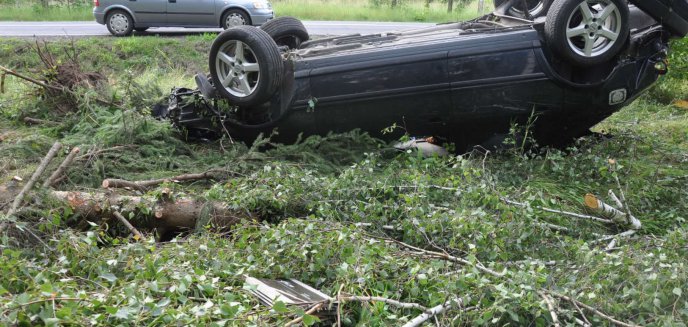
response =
{"points": [[233, 6], [120, 7]]}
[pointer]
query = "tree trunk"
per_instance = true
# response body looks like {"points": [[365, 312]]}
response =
{"points": [[175, 214], [450, 5]]}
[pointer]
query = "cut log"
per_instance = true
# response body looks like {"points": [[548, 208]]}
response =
{"points": [[180, 214], [595, 204]]}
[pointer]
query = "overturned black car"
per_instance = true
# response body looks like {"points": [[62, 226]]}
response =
{"points": [[567, 63]]}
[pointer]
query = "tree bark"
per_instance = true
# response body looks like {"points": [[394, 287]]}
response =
{"points": [[607, 211], [178, 214]]}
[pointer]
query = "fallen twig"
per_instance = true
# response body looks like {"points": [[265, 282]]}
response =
{"points": [[61, 169], [591, 309], [313, 309], [34, 178], [565, 213], [125, 222], [36, 121], [145, 185], [611, 237], [445, 256], [550, 306], [432, 312], [403, 305]]}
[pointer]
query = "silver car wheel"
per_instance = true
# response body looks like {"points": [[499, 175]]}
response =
{"points": [[234, 19], [119, 23], [594, 28], [237, 68], [536, 11]]}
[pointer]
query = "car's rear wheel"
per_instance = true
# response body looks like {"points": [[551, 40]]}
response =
{"points": [[286, 31], [246, 65], [587, 32], [235, 17], [526, 8], [120, 23]]}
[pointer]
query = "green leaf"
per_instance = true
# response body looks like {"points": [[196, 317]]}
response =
{"points": [[677, 291], [110, 277], [280, 307], [309, 320], [122, 313]]}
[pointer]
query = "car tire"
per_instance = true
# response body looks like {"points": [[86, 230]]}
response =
{"points": [[249, 77], [119, 23], [286, 31], [536, 8], [587, 32], [235, 17], [140, 29]]}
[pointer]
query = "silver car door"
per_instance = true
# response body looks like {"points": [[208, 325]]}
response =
{"points": [[148, 12], [192, 13]]}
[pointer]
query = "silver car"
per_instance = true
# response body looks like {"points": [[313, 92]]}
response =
{"points": [[122, 17]]}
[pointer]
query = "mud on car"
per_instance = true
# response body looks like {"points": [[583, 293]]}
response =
{"points": [[563, 64]]}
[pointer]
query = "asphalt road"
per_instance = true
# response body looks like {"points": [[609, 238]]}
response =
{"points": [[79, 29]]}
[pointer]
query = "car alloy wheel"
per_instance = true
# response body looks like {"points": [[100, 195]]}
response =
{"points": [[587, 32], [234, 19], [246, 66], [594, 28], [119, 23], [237, 68]]}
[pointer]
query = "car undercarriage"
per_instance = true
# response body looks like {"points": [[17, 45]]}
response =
{"points": [[467, 83]]}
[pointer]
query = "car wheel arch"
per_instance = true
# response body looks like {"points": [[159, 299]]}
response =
{"points": [[109, 11], [234, 7]]}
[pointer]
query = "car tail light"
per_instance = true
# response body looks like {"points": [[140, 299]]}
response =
{"points": [[96, 3]]}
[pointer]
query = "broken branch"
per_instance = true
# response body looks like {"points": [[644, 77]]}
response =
{"points": [[403, 305], [145, 185], [34, 178], [550, 307], [595, 204], [61, 169], [432, 312], [445, 256], [311, 310], [126, 223], [591, 309], [565, 213]]}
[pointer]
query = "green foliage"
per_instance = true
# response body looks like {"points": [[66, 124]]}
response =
{"points": [[307, 199]]}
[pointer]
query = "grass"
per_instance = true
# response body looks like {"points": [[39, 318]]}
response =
{"points": [[309, 196], [358, 10]]}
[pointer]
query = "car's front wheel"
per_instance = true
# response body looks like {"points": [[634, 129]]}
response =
{"points": [[235, 17], [587, 32], [120, 23], [286, 31], [246, 66]]}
